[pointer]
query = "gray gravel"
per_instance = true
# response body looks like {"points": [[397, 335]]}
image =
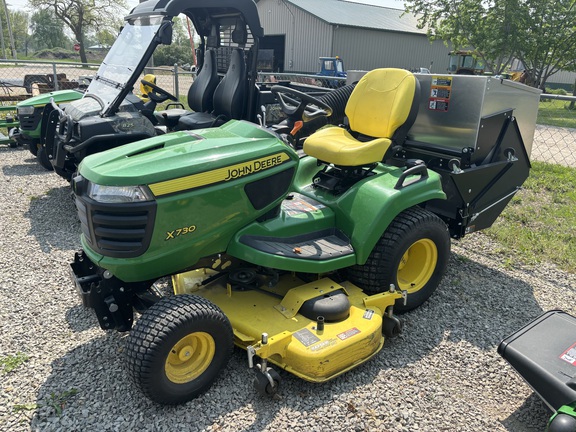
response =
{"points": [[441, 374]]}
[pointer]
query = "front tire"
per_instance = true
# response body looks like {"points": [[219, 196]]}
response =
{"points": [[412, 254], [42, 158], [178, 347]]}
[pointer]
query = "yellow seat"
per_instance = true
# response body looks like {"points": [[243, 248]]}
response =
{"points": [[383, 103]]}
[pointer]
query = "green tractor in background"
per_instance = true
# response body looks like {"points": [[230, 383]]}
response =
{"points": [[31, 129]]}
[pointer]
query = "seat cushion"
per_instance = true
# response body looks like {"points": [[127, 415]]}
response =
{"points": [[337, 146], [198, 120]]}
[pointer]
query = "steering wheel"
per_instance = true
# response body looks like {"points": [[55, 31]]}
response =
{"points": [[158, 94], [299, 105]]}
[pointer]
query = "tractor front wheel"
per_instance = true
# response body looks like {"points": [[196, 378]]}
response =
{"points": [[412, 254], [43, 160], [178, 347]]}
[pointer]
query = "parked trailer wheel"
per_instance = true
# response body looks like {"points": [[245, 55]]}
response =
{"points": [[412, 254], [178, 347], [43, 160]]}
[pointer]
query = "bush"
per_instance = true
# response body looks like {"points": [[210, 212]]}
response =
{"points": [[168, 55], [558, 91]]}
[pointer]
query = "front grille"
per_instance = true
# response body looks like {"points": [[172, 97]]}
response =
{"points": [[29, 122], [119, 230]]}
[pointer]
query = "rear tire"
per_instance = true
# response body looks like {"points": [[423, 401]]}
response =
{"points": [[412, 254], [178, 347], [43, 160]]}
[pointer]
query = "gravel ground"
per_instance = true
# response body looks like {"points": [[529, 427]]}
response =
{"points": [[441, 374]]}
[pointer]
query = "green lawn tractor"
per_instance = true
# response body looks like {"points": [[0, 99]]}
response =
{"points": [[29, 115], [110, 115], [543, 352], [301, 257]]}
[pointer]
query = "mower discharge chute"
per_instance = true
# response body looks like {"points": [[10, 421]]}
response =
{"points": [[301, 257]]}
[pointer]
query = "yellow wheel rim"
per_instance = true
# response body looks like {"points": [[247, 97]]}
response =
{"points": [[417, 265], [190, 357]]}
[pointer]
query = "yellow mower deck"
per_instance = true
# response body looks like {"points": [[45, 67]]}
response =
{"points": [[295, 343]]}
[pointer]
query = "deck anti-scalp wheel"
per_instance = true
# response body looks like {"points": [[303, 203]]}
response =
{"points": [[412, 254], [178, 347]]}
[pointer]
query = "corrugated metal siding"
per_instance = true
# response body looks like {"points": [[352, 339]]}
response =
{"points": [[363, 49], [563, 77], [307, 38]]}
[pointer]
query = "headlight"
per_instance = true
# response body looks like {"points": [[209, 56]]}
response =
{"points": [[119, 194], [25, 110]]}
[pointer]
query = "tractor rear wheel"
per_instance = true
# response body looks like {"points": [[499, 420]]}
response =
{"points": [[412, 254], [178, 347]]}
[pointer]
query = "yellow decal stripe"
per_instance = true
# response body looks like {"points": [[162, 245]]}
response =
{"points": [[218, 175]]}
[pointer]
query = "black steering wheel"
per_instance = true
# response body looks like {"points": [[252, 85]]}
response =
{"points": [[158, 94], [299, 105]]}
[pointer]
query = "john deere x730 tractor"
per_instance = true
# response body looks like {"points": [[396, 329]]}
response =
{"points": [[299, 256]]}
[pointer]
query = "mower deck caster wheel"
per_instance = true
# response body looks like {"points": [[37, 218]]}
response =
{"points": [[262, 382], [391, 326]]}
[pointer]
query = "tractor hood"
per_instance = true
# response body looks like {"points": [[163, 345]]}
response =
{"points": [[178, 156], [44, 98]]}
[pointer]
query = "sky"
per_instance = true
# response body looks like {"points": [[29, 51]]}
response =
{"points": [[397, 4]]}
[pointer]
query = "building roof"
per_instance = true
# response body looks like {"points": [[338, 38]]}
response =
{"points": [[345, 13]]}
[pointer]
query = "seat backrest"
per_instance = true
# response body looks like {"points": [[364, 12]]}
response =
{"points": [[201, 92], [384, 103], [229, 96]]}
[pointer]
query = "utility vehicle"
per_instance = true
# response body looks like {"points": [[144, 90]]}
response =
{"points": [[301, 257], [110, 115]]}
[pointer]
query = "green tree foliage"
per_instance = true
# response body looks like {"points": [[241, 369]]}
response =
{"points": [[83, 16], [19, 21], [47, 31], [540, 33]]}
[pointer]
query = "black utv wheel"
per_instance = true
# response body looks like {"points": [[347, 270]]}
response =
{"points": [[33, 147], [43, 160], [412, 254], [178, 347]]}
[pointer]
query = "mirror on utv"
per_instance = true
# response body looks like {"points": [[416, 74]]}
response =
{"points": [[165, 33]]}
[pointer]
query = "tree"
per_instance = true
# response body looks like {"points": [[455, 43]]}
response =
{"points": [[20, 22], [82, 16], [540, 33], [549, 44], [47, 31]]}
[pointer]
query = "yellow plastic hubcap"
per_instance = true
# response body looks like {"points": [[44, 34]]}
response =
{"points": [[417, 265], [190, 357]]}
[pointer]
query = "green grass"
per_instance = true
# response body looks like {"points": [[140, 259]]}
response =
{"points": [[556, 113], [538, 224], [9, 363]]}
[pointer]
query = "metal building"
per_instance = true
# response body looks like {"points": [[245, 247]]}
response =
{"points": [[364, 36]]}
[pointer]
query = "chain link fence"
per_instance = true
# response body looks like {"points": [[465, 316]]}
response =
{"points": [[554, 138]]}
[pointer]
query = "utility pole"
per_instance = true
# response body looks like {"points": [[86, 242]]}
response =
{"points": [[10, 30], [2, 40]]}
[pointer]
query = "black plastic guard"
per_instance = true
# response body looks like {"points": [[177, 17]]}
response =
{"points": [[544, 353]]}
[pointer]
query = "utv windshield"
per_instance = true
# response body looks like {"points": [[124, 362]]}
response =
{"points": [[122, 59]]}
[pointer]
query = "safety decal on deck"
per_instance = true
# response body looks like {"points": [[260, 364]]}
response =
{"points": [[298, 203], [570, 355], [306, 337], [440, 92], [348, 333], [368, 314]]}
